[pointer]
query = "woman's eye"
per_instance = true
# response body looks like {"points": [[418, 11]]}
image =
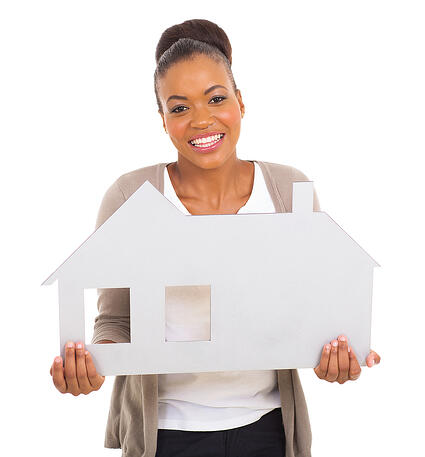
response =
{"points": [[178, 109], [220, 97], [214, 100]]}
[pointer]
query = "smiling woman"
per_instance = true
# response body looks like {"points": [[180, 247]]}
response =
{"points": [[201, 110], [261, 413]]}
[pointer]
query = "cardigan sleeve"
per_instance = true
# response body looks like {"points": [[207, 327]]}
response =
{"points": [[113, 320]]}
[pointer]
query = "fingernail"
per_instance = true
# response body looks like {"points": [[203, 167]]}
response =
{"points": [[58, 360], [335, 343], [373, 362], [327, 347], [79, 345], [70, 344], [86, 353], [342, 338], [349, 349]]}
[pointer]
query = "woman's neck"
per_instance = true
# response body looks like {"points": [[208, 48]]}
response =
{"points": [[220, 190]]}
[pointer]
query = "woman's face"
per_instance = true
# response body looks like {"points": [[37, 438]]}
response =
{"points": [[200, 106]]}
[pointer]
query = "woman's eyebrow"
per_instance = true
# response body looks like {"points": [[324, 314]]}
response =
{"points": [[181, 97], [214, 87]]}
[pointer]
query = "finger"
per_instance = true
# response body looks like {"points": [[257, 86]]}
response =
{"points": [[355, 369], [377, 357], [372, 359], [83, 382], [58, 377], [343, 359], [96, 380], [333, 362], [70, 369], [322, 369]]}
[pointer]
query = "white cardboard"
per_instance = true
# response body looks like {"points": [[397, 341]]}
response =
{"points": [[282, 285]]}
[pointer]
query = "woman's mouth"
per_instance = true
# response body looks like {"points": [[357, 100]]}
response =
{"points": [[207, 143]]}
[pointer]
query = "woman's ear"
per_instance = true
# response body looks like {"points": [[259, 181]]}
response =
{"points": [[241, 104], [163, 121]]}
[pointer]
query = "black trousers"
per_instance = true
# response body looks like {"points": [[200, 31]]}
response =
{"points": [[263, 438]]}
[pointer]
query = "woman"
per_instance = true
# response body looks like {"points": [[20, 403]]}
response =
{"points": [[200, 414]]}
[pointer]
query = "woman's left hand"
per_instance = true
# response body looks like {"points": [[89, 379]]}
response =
{"points": [[339, 363]]}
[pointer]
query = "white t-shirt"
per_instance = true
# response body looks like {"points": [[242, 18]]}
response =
{"points": [[217, 400]]}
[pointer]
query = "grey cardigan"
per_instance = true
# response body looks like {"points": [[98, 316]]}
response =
{"points": [[133, 415]]}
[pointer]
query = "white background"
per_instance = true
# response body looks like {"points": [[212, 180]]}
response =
{"points": [[334, 88]]}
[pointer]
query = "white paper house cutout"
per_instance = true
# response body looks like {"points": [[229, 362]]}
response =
{"points": [[282, 285]]}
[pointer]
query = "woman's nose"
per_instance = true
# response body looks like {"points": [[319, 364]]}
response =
{"points": [[201, 118]]}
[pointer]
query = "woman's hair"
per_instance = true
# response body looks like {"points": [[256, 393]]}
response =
{"points": [[186, 40]]}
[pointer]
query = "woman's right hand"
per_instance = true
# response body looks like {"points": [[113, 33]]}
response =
{"points": [[79, 376]]}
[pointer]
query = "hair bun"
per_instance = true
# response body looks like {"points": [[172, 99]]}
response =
{"points": [[197, 29]]}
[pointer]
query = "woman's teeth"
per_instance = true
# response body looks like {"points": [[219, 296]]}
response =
{"points": [[208, 141]]}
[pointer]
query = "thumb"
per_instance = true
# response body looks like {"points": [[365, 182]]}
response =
{"points": [[372, 359]]}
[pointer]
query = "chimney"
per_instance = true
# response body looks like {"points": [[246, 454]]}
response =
{"points": [[302, 197]]}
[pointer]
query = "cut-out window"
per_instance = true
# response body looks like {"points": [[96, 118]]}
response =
{"points": [[188, 313], [91, 311]]}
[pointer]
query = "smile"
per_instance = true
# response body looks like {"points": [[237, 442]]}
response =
{"points": [[207, 143]]}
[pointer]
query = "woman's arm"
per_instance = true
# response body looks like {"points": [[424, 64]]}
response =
{"points": [[77, 374], [113, 321]]}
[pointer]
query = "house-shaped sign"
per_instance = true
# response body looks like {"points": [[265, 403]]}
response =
{"points": [[269, 290]]}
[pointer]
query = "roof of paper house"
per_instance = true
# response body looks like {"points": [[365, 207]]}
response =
{"points": [[150, 225]]}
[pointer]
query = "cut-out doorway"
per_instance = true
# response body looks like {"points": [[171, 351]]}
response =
{"points": [[188, 313]]}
